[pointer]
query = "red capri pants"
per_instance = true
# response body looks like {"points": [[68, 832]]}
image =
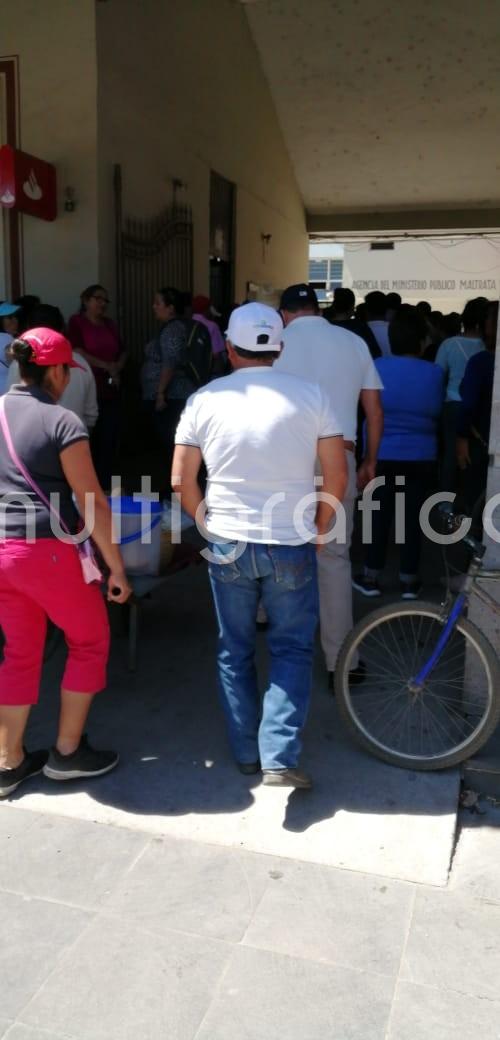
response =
{"points": [[40, 580]]}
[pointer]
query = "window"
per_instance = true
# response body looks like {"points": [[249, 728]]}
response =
{"points": [[381, 245], [318, 270], [325, 276]]}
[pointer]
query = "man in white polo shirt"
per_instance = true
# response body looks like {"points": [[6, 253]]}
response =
{"points": [[259, 432], [342, 365]]}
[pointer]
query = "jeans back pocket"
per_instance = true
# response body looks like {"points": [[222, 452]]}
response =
{"points": [[294, 565]]}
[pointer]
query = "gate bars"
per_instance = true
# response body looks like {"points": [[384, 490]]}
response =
{"points": [[151, 253]]}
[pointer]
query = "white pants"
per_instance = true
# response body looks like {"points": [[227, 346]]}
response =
{"points": [[334, 576]]}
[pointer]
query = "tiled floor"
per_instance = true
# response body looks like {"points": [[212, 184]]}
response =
{"points": [[114, 935]]}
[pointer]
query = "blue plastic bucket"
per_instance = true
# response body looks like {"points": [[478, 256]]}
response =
{"points": [[138, 526]]}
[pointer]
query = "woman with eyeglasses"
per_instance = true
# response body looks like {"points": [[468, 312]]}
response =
{"points": [[96, 337]]}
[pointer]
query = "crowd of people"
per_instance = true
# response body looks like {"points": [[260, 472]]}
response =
{"points": [[268, 435]]}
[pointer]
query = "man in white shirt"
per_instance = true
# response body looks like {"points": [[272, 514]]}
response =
{"points": [[340, 362], [259, 432]]}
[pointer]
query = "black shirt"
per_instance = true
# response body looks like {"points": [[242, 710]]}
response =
{"points": [[360, 328]]}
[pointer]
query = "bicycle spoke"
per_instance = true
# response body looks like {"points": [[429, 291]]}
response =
{"points": [[398, 647], [385, 647], [438, 725]]}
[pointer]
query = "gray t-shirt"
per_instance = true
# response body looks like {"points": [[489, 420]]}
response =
{"points": [[40, 430]]}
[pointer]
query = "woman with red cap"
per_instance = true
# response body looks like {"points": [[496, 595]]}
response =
{"points": [[44, 462]]}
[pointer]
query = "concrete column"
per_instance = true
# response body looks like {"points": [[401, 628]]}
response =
{"points": [[479, 613]]}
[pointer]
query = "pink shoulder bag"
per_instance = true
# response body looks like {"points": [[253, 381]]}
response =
{"points": [[90, 568]]}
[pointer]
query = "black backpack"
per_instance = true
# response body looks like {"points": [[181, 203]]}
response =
{"points": [[198, 358]]}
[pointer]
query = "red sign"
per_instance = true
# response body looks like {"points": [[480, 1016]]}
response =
{"points": [[27, 184]]}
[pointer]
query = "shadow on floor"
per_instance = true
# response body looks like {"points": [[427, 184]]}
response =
{"points": [[167, 724]]}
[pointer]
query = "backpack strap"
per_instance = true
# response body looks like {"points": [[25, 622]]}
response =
{"points": [[189, 368]]}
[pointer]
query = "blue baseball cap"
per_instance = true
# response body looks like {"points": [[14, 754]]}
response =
{"points": [[7, 309]]}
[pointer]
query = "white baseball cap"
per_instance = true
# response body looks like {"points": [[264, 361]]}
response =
{"points": [[256, 327]]}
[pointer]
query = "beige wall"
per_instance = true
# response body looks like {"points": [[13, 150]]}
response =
{"points": [[55, 41], [446, 272], [181, 92]]}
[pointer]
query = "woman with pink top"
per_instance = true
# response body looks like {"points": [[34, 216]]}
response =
{"points": [[96, 337]]}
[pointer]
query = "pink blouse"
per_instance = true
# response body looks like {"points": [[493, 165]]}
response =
{"points": [[100, 341]]}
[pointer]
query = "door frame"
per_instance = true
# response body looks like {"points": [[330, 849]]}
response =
{"points": [[9, 74]]}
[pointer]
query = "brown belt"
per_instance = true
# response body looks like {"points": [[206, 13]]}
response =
{"points": [[349, 445]]}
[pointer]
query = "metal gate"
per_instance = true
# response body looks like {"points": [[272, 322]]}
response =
{"points": [[150, 254]]}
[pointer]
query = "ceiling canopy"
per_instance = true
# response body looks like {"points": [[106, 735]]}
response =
{"points": [[386, 106]]}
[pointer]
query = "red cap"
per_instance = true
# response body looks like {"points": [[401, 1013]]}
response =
{"points": [[201, 304], [49, 348]]}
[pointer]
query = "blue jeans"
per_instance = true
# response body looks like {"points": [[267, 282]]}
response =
{"points": [[284, 578]]}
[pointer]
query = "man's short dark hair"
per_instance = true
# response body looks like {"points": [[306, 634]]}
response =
{"points": [[425, 308], [343, 300], [393, 301], [376, 304], [46, 316], [252, 355], [407, 332], [473, 313]]}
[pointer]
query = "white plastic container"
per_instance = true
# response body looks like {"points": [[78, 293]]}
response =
{"points": [[138, 524]]}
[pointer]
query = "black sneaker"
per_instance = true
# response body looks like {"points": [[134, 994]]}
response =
{"points": [[410, 589], [84, 762], [367, 586], [356, 676], [32, 764]]}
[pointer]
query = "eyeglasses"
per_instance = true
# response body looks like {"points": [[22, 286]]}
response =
{"points": [[103, 299]]}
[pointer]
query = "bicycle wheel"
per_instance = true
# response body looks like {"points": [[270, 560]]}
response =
{"points": [[457, 708]]}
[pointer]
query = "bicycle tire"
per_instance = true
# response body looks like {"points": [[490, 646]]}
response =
{"points": [[473, 637]]}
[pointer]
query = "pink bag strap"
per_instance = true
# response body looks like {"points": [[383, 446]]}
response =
{"points": [[22, 468]]}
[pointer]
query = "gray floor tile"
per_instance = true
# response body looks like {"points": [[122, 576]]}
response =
{"points": [[265, 995], [38, 934], [475, 866], [21, 1032], [122, 983], [195, 888], [420, 1013], [355, 920], [454, 944], [71, 861], [4, 1026], [15, 822]]}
